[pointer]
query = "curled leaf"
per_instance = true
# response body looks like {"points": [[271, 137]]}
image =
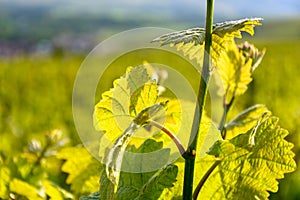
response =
{"points": [[190, 41], [245, 120], [116, 153]]}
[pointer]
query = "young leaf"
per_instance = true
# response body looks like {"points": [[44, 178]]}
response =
{"points": [[235, 72], [4, 181], [55, 192], [131, 94], [24, 189], [138, 185], [190, 41], [249, 51], [233, 29], [245, 120], [82, 169], [196, 36], [142, 104], [250, 163]]}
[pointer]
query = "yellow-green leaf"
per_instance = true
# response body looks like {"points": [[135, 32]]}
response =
{"points": [[24, 189], [82, 168], [250, 163], [55, 192], [234, 71], [4, 181], [245, 120], [131, 93], [191, 41]]}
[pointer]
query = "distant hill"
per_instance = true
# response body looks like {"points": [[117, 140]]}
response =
{"points": [[79, 25]]}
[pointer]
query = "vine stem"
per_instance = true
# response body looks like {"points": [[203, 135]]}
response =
{"points": [[190, 154]]}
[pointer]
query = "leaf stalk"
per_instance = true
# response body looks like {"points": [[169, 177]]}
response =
{"points": [[204, 178], [170, 134], [226, 108]]}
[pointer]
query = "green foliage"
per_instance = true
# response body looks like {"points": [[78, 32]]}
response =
{"points": [[236, 167], [245, 120], [94, 196], [235, 67], [30, 175], [226, 30], [139, 103], [24, 189], [120, 104], [115, 156], [251, 163], [191, 41], [82, 168], [35, 97]]}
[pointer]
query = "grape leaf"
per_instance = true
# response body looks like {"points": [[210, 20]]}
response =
{"points": [[25, 189], [131, 94], [143, 105], [196, 36], [191, 41], [107, 188], [83, 170], [4, 180], [250, 163], [245, 120], [234, 28], [234, 71], [55, 192], [175, 111]]}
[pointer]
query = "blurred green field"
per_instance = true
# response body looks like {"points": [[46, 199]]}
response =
{"points": [[36, 96]]}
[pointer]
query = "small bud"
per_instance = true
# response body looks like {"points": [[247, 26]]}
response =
{"points": [[34, 146], [249, 51], [54, 136]]}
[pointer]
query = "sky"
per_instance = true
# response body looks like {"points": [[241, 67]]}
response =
{"points": [[223, 8]]}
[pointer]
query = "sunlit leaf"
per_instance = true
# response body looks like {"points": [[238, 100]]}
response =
{"points": [[234, 71], [191, 41], [82, 168], [131, 94], [4, 181], [250, 163], [25, 189], [234, 28], [55, 192], [245, 120], [143, 105]]}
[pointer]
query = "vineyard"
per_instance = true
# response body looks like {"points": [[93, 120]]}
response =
{"points": [[38, 135]]}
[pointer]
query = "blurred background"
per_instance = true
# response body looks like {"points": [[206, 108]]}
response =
{"points": [[42, 44]]}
